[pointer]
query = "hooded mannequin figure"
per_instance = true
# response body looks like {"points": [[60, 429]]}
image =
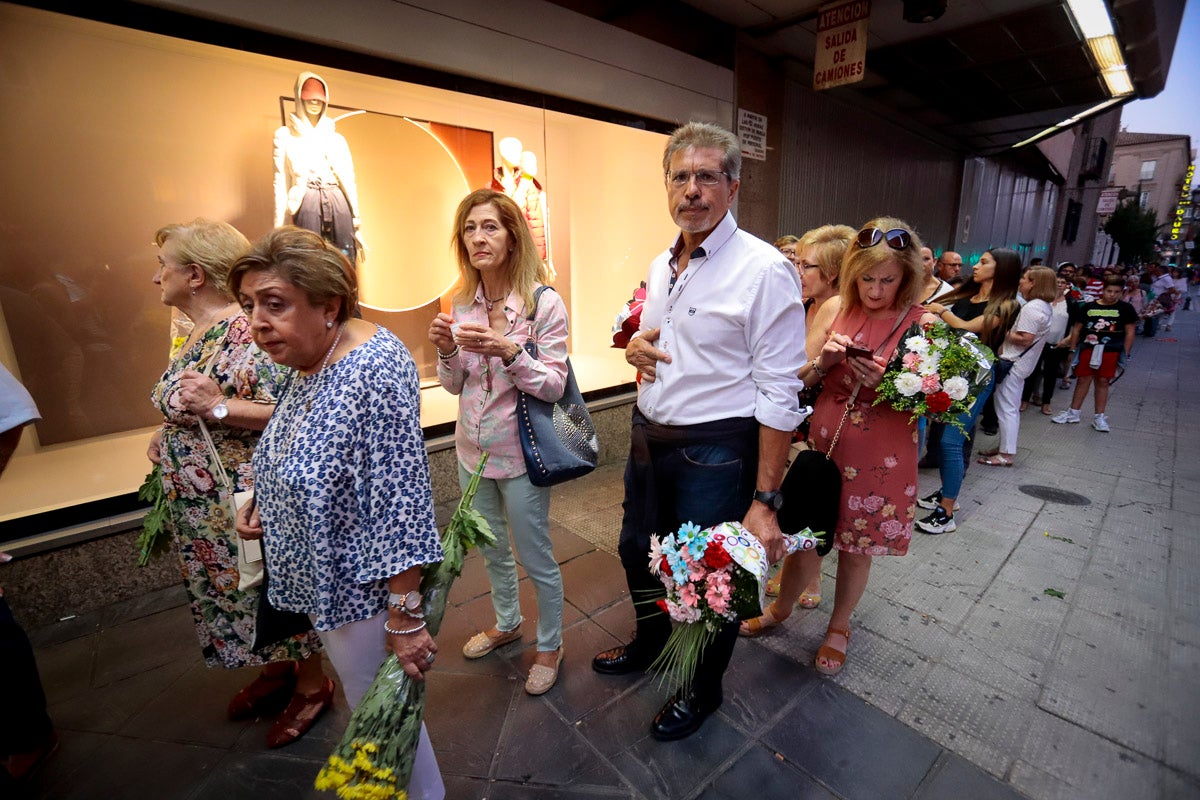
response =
{"points": [[314, 174]]}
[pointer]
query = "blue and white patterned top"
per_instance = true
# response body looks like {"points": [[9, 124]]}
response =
{"points": [[342, 484]]}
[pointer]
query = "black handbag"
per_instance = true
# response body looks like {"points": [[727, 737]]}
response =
{"points": [[1002, 366], [558, 439], [272, 625]]}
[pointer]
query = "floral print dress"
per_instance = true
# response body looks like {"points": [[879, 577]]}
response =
{"points": [[876, 451], [200, 516]]}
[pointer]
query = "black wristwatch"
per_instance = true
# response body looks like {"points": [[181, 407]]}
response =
{"points": [[772, 500]]}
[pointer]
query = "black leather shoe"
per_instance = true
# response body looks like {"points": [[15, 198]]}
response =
{"points": [[623, 660], [681, 717]]}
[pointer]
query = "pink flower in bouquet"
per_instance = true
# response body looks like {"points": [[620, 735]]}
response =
{"points": [[718, 591], [696, 570], [911, 360], [688, 595], [930, 384], [938, 402]]}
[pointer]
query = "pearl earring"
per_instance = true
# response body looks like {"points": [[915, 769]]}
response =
{"points": [[328, 323]]}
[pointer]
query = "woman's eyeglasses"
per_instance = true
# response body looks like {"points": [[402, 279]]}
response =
{"points": [[896, 238]]}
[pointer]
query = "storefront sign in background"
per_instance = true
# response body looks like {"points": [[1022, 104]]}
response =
{"points": [[841, 43], [1108, 201], [752, 133]]}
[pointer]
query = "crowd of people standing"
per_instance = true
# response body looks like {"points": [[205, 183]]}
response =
{"points": [[745, 352]]}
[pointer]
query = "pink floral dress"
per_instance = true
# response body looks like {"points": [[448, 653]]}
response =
{"points": [[877, 449]]}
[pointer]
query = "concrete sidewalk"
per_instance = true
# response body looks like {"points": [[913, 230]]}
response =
{"points": [[964, 678]]}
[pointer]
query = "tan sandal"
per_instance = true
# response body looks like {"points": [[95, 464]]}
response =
{"points": [[753, 627], [835, 659], [809, 600], [541, 678], [481, 644]]}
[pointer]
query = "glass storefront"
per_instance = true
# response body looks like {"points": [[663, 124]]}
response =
{"points": [[113, 133]]}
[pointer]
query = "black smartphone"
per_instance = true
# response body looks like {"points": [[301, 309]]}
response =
{"points": [[857, 352]]}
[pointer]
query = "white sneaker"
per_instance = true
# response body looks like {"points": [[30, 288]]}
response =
{"points": [[1068, 417], [1100, 423]]}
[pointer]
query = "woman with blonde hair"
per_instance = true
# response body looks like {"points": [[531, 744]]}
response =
{"points": [[220, 381], [1023, 346], [819, 254], [873, 446], [482, 359]]}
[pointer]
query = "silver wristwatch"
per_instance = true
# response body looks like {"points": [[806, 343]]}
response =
{"points": [[220, 411], [410, 603]]}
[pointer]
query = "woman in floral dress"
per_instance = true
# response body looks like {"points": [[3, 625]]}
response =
{"points": [[219, 375], [881, 281]]}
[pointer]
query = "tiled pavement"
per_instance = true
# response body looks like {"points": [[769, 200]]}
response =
{"points": [[964, 679]]}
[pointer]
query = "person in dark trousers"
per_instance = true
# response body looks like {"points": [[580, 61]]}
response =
{"points": [[719, 349], [27, 736]]}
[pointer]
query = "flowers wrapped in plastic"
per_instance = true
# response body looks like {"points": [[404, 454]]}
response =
{"points": [[712, 576], [374, 759], [937, 372]]}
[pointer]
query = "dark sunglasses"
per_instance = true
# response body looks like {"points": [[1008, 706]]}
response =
{"points": [[897, 238]]}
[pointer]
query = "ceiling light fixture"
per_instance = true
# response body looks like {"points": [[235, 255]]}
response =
{"points": [[924, 10], [1097, 29], [1066, 123]]}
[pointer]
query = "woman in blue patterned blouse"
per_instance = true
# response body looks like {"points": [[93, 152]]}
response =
{"points": [[344, 502]]}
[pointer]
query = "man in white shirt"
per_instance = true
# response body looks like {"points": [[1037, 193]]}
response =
{"points": [[719, 348]]}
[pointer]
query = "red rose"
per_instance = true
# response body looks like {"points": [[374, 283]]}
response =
{"points": [[661, 603], [938, 402], [665, 566], [715, 556]]}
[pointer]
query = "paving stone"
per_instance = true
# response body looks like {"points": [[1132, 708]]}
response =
{"points": [[759, 686], [208, 692], [1098, 681], [671, 770], [622, 722], [532, 730], [594, 580], [118, 655], [1076, 763], [867, 754], [579, 689], [955, 778], [465, 715], [758, 774], [125, 769], [257, 775], [974, 719]]}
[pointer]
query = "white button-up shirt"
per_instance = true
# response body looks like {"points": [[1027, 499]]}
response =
{"points": [[734, 326]]}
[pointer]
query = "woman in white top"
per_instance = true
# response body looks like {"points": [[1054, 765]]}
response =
{"points": [[1022, 346], [1044, 378]]}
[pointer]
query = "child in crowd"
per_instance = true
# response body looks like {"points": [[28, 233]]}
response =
{"points": [[1106, 327]]}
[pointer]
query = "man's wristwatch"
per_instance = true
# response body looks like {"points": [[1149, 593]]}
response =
{"points": [[772, 500], [409, 602]]}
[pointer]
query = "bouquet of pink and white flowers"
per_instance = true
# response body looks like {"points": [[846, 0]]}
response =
{"points": [[937, 372], [712, 576]]}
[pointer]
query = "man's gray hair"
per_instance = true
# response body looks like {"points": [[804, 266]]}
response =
{"points": [[705, 134]]}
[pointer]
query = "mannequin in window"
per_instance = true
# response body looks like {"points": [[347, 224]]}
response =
{"points": [[314, 174], [517, 177]]}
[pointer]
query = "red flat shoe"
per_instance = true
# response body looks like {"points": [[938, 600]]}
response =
{"points": [[265, 695], [299, 716]]}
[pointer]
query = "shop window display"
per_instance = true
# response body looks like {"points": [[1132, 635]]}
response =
{"points": [[188, 134]]}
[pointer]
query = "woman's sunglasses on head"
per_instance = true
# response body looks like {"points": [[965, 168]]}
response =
{"points": [[896, 238]]}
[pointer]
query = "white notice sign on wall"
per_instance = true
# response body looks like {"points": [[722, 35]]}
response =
{"points": [[752, 133], [841, 43]]}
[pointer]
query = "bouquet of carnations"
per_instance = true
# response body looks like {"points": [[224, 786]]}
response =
{"points": [[712, 576], [937, 372], [374, 760]]}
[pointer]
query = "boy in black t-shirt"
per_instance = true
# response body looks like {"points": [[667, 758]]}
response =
{"points": [[1106, 327]]}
